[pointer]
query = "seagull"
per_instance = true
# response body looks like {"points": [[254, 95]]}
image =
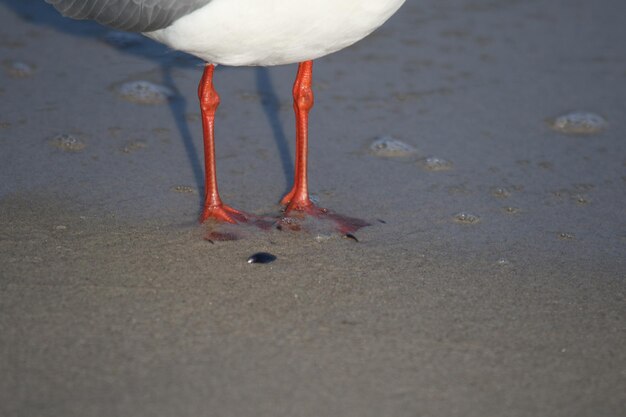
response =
{"points": [[247, 33]]}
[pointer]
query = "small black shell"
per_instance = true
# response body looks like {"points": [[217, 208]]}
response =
{"points": [[261, 258]]}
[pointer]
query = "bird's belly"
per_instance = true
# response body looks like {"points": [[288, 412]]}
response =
{"points": [[274, 32]]}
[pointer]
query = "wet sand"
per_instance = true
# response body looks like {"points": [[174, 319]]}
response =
{"points": [[490, 283]]}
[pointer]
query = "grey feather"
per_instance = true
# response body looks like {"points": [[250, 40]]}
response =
{"points": [[129, 15]]}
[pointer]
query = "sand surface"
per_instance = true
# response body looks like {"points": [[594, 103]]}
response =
{"points": [[491, 284]]}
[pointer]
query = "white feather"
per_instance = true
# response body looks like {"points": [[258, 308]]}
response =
{"points": [[274, 32]]}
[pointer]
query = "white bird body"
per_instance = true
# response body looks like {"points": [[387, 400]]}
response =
{"points": [[273, 32]]}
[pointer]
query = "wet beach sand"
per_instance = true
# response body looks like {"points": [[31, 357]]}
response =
{"points": [[483, 141]]}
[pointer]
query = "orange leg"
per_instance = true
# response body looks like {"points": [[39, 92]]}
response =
{"points": [[297, 201], [298, 198], [213, 206]]}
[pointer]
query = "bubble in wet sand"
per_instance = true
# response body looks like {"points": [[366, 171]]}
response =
{"points": [[466, 218], [511, 210], [387, 146], [134, 145], [579, 123], [500, 192], [68, 143], [581, 199], [18, 69], [144, 92], [566, 236], [323, 237], [432, 163], [183, 189]]}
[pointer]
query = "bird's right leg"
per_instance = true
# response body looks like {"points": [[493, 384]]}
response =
{"points": [[213, 206]]}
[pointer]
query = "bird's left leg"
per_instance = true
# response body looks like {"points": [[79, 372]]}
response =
{"points": [[297, 201], [298, 198]]}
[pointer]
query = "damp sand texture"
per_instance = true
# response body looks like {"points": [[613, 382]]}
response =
{"points": [[491, 279]]}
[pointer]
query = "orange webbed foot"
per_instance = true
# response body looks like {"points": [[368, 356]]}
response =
{"points": [[296, 213], [223, 213]]}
